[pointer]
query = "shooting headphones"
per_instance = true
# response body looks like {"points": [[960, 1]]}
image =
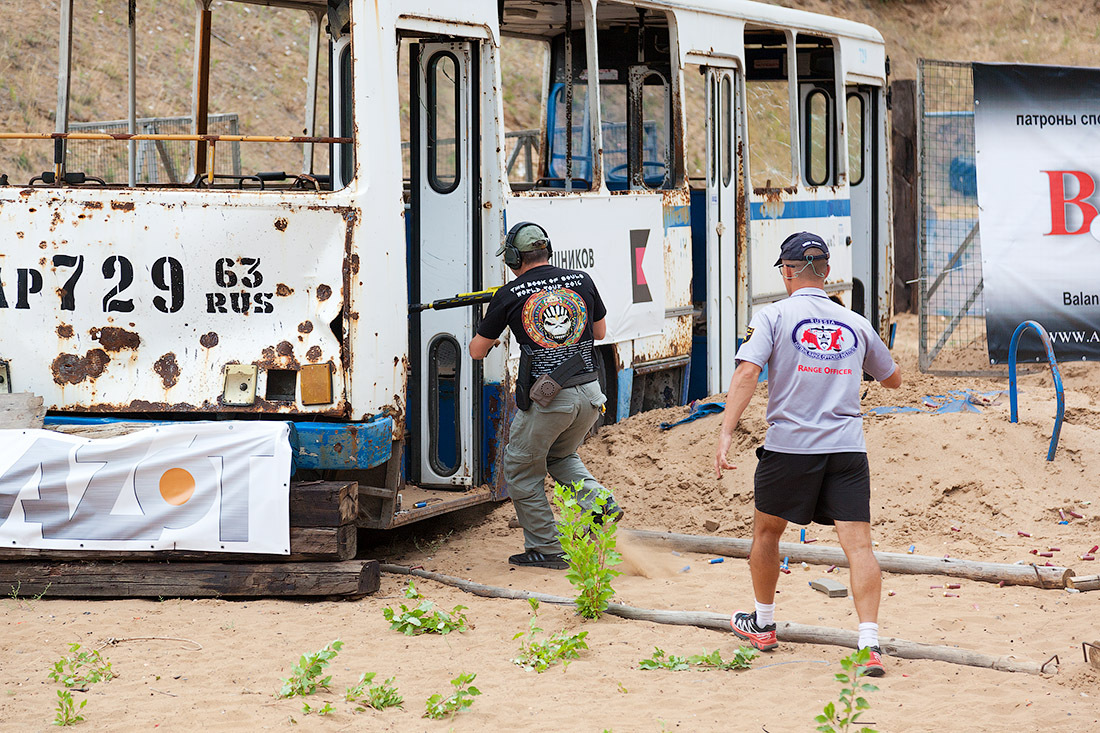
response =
{"points": [[511, 251]]}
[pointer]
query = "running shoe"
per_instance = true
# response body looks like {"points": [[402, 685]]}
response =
{"points": [[536, 559], [761, 637], [874, 667]]}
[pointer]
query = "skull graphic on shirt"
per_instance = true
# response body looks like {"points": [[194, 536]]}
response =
{"points": [[555, 318]]}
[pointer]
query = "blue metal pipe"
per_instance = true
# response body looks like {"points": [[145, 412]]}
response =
{"points": [[1045, 337]]}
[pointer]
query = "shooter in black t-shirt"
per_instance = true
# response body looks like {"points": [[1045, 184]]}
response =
{"points": [[555, 315]]}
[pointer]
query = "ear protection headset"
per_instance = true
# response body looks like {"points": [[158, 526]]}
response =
{"points": [[511, 251]]}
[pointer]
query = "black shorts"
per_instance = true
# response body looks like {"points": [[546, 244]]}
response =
{"points": [[823, 488]]}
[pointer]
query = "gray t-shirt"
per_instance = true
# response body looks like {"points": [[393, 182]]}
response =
{"points": [[816, 352]]}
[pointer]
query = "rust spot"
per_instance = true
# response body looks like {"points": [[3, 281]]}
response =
{"points": [[64, 330], [168, 370], [283, 290], [338, 448], [285, 348], [41, 245], [209, 340], [19, 234], [73, 369], [55, 220], [122, 205], [324, 292], [268, 353], [42, 261], [93, 204], [305, 327], [355, 264], [280, 224], [112, 338], [314, 353]]}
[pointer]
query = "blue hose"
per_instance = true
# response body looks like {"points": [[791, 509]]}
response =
{"points": [[1045, 337]]}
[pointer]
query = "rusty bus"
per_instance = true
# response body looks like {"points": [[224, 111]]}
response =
{"points": [[671, 144]]}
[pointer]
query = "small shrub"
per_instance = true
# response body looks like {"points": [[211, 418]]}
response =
{"points": [[589, 549], [839, 718], [439, 707], [540, 655], [660, 661], [378, 697], [66, 710], [742, 659], [323, 710], [303, 678], [425, 618], [80, 669]]}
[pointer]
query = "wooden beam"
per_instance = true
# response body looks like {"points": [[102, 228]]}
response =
{"points": [[202, 83], [21, 410], [792, 632], [191, 580], [323, 503], [1039, 576]]}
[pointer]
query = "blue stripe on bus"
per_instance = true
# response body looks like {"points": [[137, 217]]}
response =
{"points": [[800, 209]]}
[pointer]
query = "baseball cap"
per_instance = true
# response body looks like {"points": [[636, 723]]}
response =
{"points": [[527, 238], [794, 245]]}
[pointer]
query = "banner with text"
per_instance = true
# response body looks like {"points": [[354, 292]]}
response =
{"points": [[1035, 130], [219, 487]]}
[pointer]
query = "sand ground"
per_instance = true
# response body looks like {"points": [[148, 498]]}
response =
{"points": [[974, 472]]}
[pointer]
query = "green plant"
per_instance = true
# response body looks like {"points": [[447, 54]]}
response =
{"points": [[439, 707], [660, 661], [540, 655], [66, 710], [424, 619], [303, 678], [378, 697], [323, 710], [851, 703], [742, 659], [589, 548], [23, 601], [80, 669]]}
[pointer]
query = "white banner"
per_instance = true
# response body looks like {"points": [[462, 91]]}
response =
{"points": [[218, 487], [1035, 129]]}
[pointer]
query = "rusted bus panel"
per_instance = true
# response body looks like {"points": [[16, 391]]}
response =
{"points": [[676, 215], [674, 342], [148, 300]]}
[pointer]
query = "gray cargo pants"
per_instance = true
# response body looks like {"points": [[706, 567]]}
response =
{"points": [[544, 440]]}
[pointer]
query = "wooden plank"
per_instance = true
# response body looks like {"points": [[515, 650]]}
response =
{"points": [[21, 411], [1085, 582], [324, 544], [191, 580], [830, 587], [1040, 576], [323, 503]]}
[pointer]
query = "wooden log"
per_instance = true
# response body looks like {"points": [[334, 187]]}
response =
{"points": [[20, 410], [787, 631], [323, 544], [189, 580], [323, 503], [1085, 582], [1039, 576]]}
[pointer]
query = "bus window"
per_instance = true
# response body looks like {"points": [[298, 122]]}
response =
{"points": [[523, 63], [695, 127], [635, 97], [768, 108], [569, 137], [268, 76], [443, 122], [855, 139], [818, 124]]}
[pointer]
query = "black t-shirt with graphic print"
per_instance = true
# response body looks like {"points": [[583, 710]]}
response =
{"points": [[550, 309]]}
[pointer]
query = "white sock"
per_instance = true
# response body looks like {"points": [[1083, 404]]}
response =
{"points": [[868, 635], [765, 613]]}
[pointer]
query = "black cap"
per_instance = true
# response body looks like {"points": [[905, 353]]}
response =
{"points": [[794, 245]]}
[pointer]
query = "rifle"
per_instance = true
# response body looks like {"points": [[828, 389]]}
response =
{"points": [[455, 301]]}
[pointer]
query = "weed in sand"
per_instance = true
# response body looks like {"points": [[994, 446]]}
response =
{"points": [[378, 697], [540, 655], [659, 660], [67, 710], [425, 618], [439, 707], [742, 659], [589, 549], [80, 669], [23, 601], [303, 678], [839, 718]]}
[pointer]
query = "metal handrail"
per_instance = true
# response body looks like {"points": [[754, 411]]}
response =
{"points": [[1045, 337], [172, 136]]}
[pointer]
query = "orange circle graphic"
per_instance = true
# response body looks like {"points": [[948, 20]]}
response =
{"points": [[177, 486]]}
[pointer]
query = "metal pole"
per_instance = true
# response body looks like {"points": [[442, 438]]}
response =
{"points": [[201, 104], [311, 90], [64, 74], [132, 62], [568, 95]]}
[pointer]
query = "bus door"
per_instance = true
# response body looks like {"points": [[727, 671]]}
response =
{"points": [[722, 264], [863, 184], [443, 262]]}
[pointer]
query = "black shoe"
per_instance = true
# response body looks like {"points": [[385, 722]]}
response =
{"points": [[536, 559]]}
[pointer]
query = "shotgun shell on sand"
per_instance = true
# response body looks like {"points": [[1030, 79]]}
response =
{"points": [[953, 586], [715, 560], [1046, 554], [1000, 584], [1054, 549], [1094, 549], [831, 569], [912, 549], [1075, 515], [1088, 557], [1022, 534], [950, 595], [1061, 514]]}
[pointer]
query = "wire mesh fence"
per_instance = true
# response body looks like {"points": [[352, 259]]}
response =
{"points": [[158, 161], [952, 311]]}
